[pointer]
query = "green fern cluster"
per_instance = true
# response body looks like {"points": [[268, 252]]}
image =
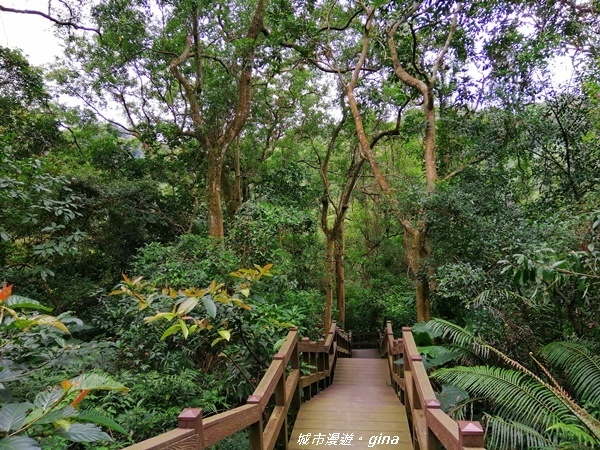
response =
{"points": [[531, 411]]}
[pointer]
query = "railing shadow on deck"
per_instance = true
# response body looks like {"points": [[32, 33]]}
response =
{"points": [[431, 427], [283, 382]]}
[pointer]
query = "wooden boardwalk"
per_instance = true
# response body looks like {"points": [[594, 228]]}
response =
{"points": [[359, 410]]}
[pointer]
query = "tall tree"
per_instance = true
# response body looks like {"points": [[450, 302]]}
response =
{"points": [[183, 75]]}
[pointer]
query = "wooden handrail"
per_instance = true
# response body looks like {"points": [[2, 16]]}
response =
{"points": [[431, 427], [284, 383], [365, 339]]}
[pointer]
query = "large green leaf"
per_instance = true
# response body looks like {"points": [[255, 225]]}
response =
{"points": [[451, 396], [84, 432], [459, 336], [13, 415], [19, 302], [46, 399], [94, 382], [187, 305], [210, 306], [100, 419], [171, 330], [52, 416], [9, 375], [19, 443]]}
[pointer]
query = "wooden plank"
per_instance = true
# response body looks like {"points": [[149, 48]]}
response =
{"points": [[332, 426], [286, 350], [312, 347], [367, 353], [225, 424], [266, 387], [399, 381], [291, 385], [385, 415], [361, 403], [444, 427], [273, 427], [174, 439], [307, 380], [420, 427], [410, 394]]}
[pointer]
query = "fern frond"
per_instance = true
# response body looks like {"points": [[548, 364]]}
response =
{"points": [[573, 433], [509, 434], [463, 337], [490, 296], [459, 411], [517, 396], [458, 335], [580, 366]]}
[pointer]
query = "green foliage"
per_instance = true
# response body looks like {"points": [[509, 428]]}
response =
{"points": [[26, 126], [51, 414], [191, 261], [525, 409], [260, 228], [580, 366], [156, 399], [38, 217], [186, 301]]}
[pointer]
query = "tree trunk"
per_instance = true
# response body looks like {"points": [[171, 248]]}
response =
{"points": [[422, 298], [416, 252], [237, 182], [340, 280], [213, 194], [574, 317], [329, 275], [430, 160], [231, 189]]}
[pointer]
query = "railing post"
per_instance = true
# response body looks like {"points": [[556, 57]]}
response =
{"points": [[314, 358], [322, 365], [409, 386], [191, 419], [295, 363], [280, 395], [349, 344], [306, 360], [399, 369], [470, 434], [433, 443], [256, 429]]}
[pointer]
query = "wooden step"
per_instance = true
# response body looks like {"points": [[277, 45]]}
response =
{"points": [[359, 411]]}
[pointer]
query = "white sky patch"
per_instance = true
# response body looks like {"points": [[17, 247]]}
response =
{"points": [[32, 34]]}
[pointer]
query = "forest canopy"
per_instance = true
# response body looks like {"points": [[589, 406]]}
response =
{"points": [[291, 163]]}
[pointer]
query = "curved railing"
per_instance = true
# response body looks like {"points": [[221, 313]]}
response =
{"points": [[431, 427], [281, 388]]}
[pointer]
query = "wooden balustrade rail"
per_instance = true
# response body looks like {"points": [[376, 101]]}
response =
{"points": [[365, 339], [283, 380], [431, 427]]}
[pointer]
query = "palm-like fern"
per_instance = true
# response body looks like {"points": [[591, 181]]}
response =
{"points": [[580, 366], [512, 434], [530, 411], [459, 336]]}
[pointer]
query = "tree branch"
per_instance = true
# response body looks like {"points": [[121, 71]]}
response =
{"points": [[63, 23], [468, 164], [444, 50], [358, 11]]}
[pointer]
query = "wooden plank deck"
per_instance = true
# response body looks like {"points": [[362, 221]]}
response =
{"points": [[359, 411]]}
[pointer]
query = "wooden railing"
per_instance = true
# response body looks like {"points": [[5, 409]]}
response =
{"points": [[431, 427], [319, 357], [280, 389], [365, 339]]}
